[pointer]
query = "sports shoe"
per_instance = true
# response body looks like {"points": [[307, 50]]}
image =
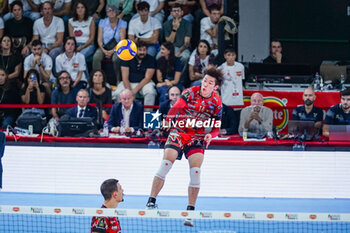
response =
{"points": [[151, 206], [188, 222]]}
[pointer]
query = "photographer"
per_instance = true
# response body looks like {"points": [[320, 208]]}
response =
{"points": [[32, 92]]}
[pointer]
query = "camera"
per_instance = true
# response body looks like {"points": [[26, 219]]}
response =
{"points": [[33, 77]]}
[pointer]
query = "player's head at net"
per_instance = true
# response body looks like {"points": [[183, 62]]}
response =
{"points": [[212, 80], [112, 192]]}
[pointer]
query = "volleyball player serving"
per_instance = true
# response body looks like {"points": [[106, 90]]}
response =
{"points": [[198, 120]]}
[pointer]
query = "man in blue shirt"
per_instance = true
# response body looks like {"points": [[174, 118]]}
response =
{"points": [[308, 111], [338, 114], [137, 76]]}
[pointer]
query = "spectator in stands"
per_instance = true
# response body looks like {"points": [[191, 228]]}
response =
{"points": [[125, 8], [20, 28], [199, 60], [100, 94], [179, 32], [137, 76], [10, 61], [145, 28], [155, 9], [209, 27], [8, 95], [3, 6], [229, 122], [49, 29], [206, 4], [29, 10], [82, 27], [338, 114], [173, 95], [110, 31], [82, 109], [169, 70], [73, 62], [187, 7], [232, 86], [61, 8], [256, 119], [32, 92], [308, 111], [94, 7], [63, 94], [2, 26], [126, 116], [41, 62], [276, 56]]}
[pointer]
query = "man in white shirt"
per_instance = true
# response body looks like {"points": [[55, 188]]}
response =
{"points": [[145, 28], [41, 62], [49, 29], [209, 27]]}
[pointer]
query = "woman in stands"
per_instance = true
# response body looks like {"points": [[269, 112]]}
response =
{"points": [[82, 27], [8, 95], [32, 92], [111, 30], [99, 93], [73, 62], [10, 61], [169, 70], [199, 60]]}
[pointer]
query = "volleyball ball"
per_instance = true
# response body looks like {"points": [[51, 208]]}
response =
{"points": [[126, 49]]}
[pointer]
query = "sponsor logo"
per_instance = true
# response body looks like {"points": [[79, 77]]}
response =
{"points": [[206, 214], [75, 65], [151, 120], [279, 109], [312, 216], [334, 217], [142, 213], [270, 216], [291, 216], [36, 210], [227, 215], [78, 211], [248, 215], [15, 209], [121, 213], [163, 213], [57, 210], [184, 214], [99, 211]]}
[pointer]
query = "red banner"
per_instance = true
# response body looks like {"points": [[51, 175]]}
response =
{"points": [[282, 103]]}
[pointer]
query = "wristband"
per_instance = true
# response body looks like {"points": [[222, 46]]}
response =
{"points": [[174, 30]]}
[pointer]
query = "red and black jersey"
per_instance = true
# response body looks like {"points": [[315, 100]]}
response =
{"points": [[105, 224], [191, 108]]}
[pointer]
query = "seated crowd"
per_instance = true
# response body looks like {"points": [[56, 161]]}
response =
{"points": [[54, 52]]}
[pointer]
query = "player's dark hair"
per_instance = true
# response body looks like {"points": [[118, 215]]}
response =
{"points": [[67, 39], [74, 10], [59, 87], [345, 92], [205, 42], [230, 50], [108, 187], [142, 6], [166, 66], [36, 43], [176, 5], [141, 44], [214, 7], [215, 73], [18, 3], [91, 83], [42, 5]]}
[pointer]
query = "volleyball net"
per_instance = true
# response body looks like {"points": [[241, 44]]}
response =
{"points": [[78, 220]]}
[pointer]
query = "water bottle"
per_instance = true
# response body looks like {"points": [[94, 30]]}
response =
{"points": [[317, 81], [122, 127], [321, 82], [342, 81], [105, 129]]}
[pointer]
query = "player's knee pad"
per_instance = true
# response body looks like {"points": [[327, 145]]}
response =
{"points": [[195, 177], [165, 167]]}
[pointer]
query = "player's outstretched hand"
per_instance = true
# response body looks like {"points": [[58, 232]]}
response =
{"points": [[207, 140]]}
